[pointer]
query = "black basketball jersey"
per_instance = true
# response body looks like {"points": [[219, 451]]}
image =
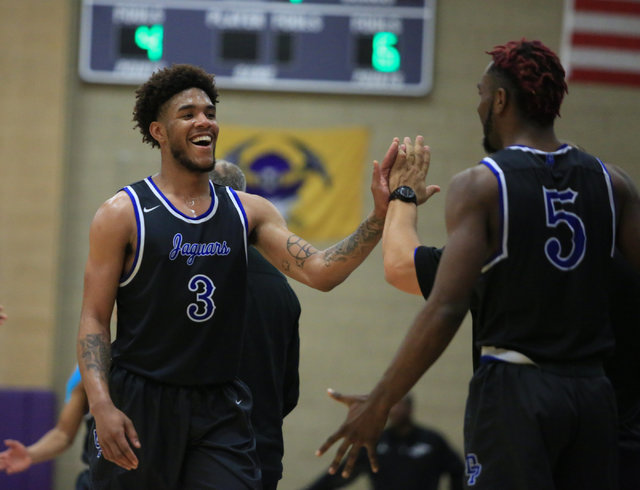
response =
{"points": [[544, 293], [181, 306]]}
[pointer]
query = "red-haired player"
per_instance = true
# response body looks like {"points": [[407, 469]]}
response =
{"points": [[531, 231]]}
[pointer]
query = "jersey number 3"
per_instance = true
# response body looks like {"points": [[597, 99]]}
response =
{"points": [[202, 309], [574, 252]]}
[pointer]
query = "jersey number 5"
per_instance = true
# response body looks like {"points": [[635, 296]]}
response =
{"points": [[557, 216], [203, 308]]}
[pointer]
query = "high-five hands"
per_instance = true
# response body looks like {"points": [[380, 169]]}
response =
{"points": [[411, 167]]}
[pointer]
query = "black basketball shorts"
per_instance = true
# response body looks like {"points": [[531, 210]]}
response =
{"points": [[530, 429], [192, 438]]}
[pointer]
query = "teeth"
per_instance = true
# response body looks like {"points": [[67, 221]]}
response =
{"points": [[201, 139]]}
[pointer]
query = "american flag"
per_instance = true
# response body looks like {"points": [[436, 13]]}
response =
{"points": [[601, 41]]}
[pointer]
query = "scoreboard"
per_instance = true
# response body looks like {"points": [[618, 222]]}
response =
{"points": [[380, 47]]}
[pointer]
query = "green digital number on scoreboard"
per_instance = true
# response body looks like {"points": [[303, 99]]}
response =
{"points": [[335, 46], [384, 52]]}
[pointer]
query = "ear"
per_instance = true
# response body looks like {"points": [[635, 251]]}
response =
{"points": [[157, 131], [500, 100]]}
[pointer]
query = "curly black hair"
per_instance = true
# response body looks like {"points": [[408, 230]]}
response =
{"points": [[535, 75], [161, 86]]}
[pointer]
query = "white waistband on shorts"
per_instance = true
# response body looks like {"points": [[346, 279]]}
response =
{"points": [[505, 355]]}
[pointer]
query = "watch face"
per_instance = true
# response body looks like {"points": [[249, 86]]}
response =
{"points": [[404, 193]]}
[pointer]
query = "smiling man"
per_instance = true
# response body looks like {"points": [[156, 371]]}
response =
{"points": [[171, 252]]}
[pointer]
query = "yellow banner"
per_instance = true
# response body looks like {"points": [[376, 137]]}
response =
{"points": [[313, 176]]}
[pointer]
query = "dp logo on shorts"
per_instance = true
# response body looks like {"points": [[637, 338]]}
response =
{"points": [[96, 443], [473, 469]]}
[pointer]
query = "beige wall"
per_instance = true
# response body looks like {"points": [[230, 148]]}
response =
{"points": [[67, 146], [33, 71]]}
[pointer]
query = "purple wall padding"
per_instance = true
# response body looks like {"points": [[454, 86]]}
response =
{"points": [[25, 415]]}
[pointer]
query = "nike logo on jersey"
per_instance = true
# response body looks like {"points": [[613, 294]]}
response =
{"points": [[238, 402], [148, 210]]}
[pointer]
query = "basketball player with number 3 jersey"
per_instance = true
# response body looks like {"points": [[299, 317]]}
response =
{"points": [[171, 252]]}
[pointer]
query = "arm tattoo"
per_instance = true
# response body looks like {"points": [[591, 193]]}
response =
{"points": [[96, 353], [300, 250], [369, 231]]}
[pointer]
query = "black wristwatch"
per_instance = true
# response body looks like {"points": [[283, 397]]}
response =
{"points": [[404, 193]]}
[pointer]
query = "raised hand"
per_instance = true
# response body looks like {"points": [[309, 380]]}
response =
{"points": [[411, 167], [14, 459], [380, 179]]}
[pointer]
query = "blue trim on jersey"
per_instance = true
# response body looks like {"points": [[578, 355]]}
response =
{"points": [[563, 148], [612, 205], [550, 159], [244, 213], [140, 241], [236, 199], [72, 382], [502, 252], [179, 214]]}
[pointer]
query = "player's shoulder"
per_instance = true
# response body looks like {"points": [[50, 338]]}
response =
{"points": [[114, 215], [623, 185], [259, 210], [618, 176], [117, 205], [252, 200], [474, 181]]}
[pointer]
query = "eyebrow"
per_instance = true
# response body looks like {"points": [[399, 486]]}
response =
{"points": [[187, 107]]}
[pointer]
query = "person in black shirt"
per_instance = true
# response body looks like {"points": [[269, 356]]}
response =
{"points": [[532, 231], [412, 267], [270, 369], [411, 457], [622, 367], [170, 252], [271, 347]]}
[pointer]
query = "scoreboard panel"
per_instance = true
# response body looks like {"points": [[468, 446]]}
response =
{"points": [[380, 47]]}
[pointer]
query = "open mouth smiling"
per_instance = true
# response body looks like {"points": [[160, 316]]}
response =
{"points": [[204, 140]]}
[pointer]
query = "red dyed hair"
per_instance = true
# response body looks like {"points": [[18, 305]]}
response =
{"points": [[534, 73]]}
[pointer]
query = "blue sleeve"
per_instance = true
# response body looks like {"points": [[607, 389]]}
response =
{"points": [[72, 382]]}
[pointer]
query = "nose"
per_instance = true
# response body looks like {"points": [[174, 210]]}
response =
{"points": [[203, 120]]}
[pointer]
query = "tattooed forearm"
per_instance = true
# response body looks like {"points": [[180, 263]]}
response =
{"points": [[367, 233], [96, 353], [300, 250]]}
